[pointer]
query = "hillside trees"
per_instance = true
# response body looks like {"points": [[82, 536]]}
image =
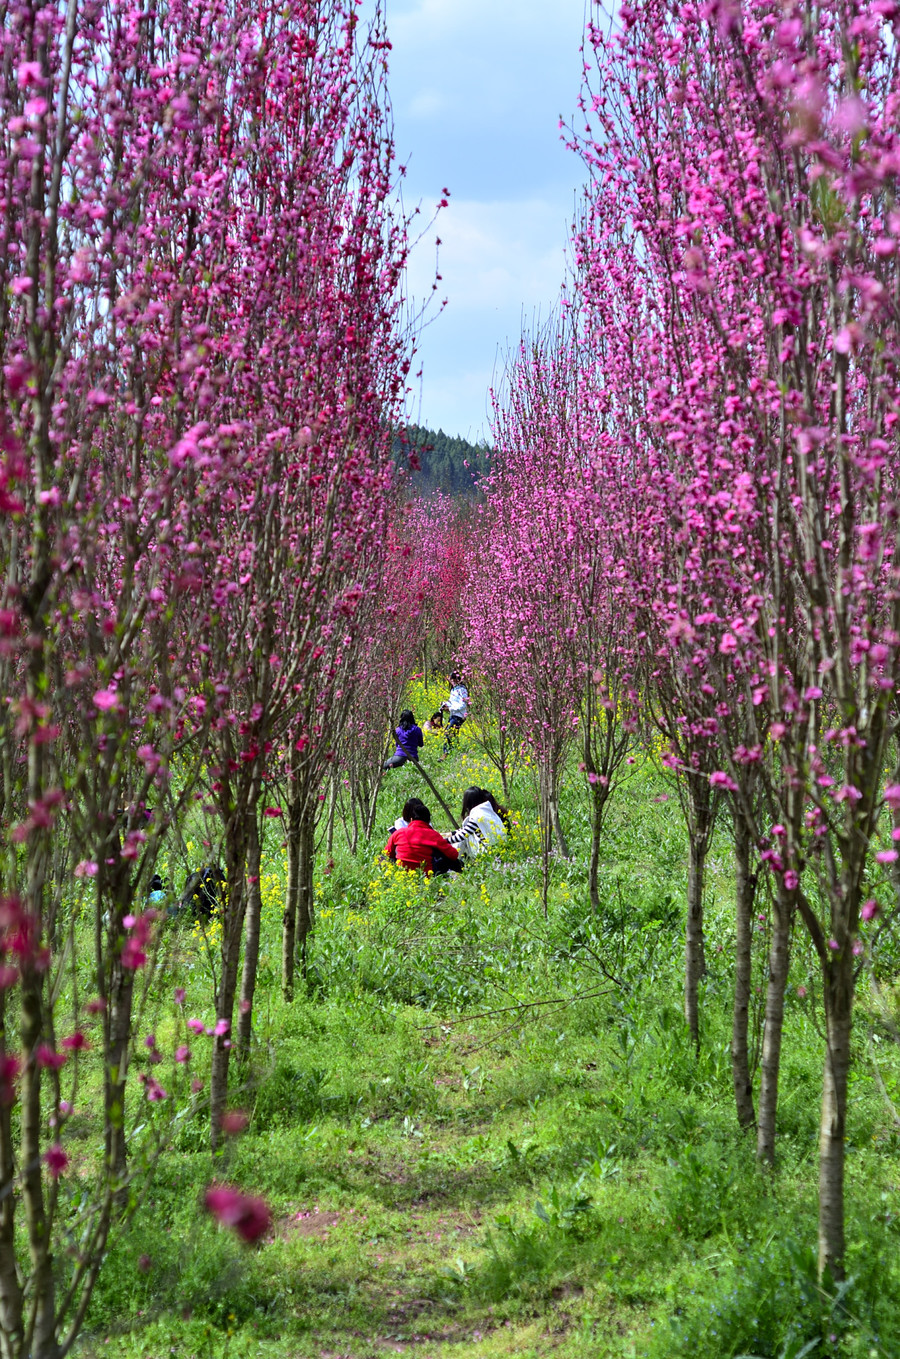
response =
{"points": [[761, 256], [201, 338]]}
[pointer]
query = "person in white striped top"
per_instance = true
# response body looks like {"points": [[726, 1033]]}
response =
{"points": [[483, 823]]}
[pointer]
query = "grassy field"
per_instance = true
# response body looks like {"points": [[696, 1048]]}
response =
{"points": [[484, 1132]]}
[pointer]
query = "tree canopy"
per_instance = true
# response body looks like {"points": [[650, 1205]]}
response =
{"points": [[441, 462]]}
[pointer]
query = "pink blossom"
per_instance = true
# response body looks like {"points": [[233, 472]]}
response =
{"points": [[870, 909], [106, 700], [10, 1066], [223, 1026], [30, 74], [195, 1025], [182, 1053], [850, 337], [87, 868], [249, 1217], [233, 1122], [45, 1056], [56, 1160]]}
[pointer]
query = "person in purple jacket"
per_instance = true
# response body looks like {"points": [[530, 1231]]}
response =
{"points": [[409, 741]]}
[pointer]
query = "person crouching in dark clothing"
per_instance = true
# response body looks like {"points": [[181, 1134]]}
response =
{"points": [[419, 846], [409, 741]]}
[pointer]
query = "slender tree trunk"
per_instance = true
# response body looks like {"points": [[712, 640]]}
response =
{"points": [[117, 1020], [599, 795], [779, 962], [745, 890], [251, 940], [556, 823], [332, 808], [694, 958], [504, 776], [305, 893], [41, 1283], [40, 1323], [11, 1325], [546, 833], [119, 1002], [355, 807], [289, 924], [700, 828], [838, 992], [373, 810], [232, 923]]}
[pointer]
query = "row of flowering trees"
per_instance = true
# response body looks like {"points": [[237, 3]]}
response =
{"points": [[204, 351], [694, 522]]}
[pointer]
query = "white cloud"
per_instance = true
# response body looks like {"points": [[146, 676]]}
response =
{"points": [[477, 88], [494, 255], [427, 104], [501, 264], [440, 399]]}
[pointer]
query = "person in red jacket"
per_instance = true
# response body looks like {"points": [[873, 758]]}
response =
{"points": [[414, 845]]}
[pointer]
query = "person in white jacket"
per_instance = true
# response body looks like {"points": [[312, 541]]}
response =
{"points": [[482, 823], [457, 706]]}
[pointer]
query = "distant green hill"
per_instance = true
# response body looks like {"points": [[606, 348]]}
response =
{"points": [[441, 460]]}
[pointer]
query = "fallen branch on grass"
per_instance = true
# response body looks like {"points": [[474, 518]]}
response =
{"points": [[506, 1009], [415, 764]]}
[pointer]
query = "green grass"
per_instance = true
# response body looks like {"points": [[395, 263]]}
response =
{"points": [[564, 1179]]}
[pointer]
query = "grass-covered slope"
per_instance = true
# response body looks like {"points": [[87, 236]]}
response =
{"points": [[451, 1175]]}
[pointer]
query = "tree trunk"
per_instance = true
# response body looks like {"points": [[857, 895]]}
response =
{"points": [[118, 1017], [332, 808], [779, 962], [556, 823], [373, 810], [745, 890], [42, 1301], [292, 888], [838, 993], [305, 894], [694, 959], [117, 1021], [700, 828], [251, 940], [354, 800], [504, 777], [232, 921], [11, 1324], [546, 833], [599, 795]]}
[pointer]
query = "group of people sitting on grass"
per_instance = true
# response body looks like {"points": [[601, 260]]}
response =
{"points": [[409, 734], [414, 843]]}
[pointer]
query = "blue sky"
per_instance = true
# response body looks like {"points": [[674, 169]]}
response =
{"points": [[477, 88]]}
